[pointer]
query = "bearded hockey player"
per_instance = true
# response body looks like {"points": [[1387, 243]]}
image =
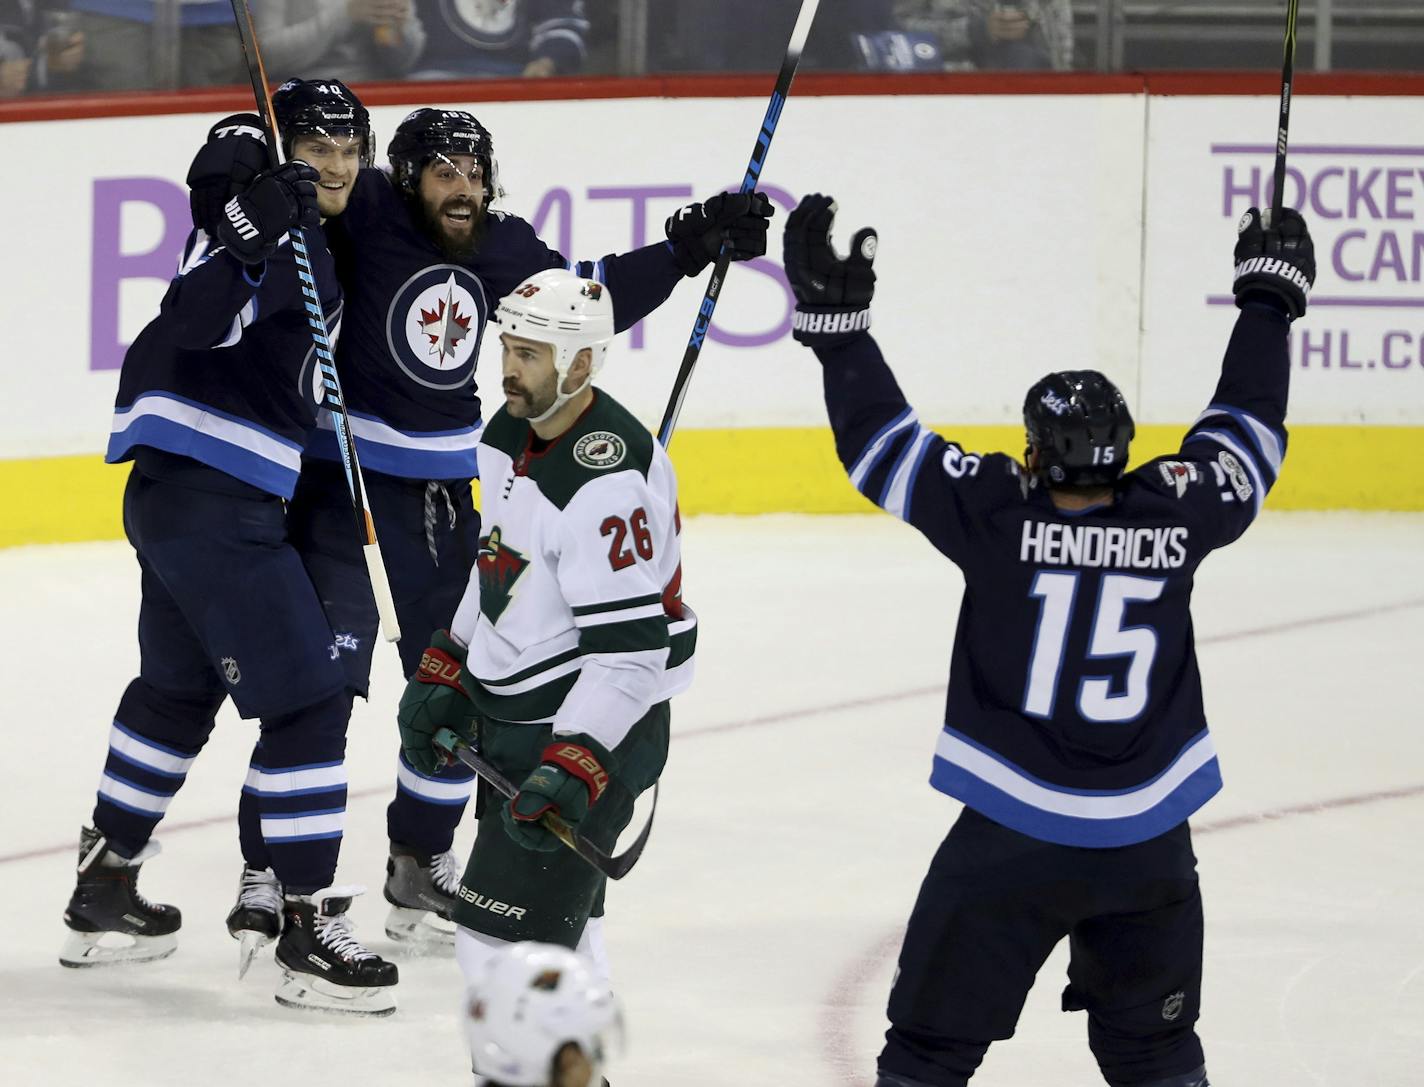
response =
{"points": [[539, 1015], [217, 398], [572, 635], [1074, 729], [425, 256]]}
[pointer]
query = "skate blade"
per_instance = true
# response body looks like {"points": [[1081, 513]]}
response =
{"points": [[249, 943], [419, 930], [85, 949], [318, 994]]}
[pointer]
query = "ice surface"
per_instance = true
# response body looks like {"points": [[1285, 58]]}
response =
{"points": [[755, 942]]}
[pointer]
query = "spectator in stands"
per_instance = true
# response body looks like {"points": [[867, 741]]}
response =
{"points": [[349, 40], [123, 47], [533, 38], [987, 34], [700, 36], [34, 48]]}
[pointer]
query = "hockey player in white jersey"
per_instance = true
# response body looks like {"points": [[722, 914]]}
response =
{"points": [[572, 635]]}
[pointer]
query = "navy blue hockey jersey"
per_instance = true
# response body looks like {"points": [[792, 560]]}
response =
{"points": [[414, 322], [226, 373], [1074, 712]]}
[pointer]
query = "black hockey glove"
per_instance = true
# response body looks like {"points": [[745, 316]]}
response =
{"points": [[253, 223], [696, 232], [236, 152], [1275, 260], [832, 295]]}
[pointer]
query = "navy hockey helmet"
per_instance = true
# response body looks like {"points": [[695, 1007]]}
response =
{"points": [[322, 107], [1080, 425], [427, 133]]}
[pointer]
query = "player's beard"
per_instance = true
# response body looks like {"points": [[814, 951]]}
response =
{"points": [[455, 245], [530, 403]]}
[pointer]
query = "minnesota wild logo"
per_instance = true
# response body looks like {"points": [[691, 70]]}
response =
{"points": [[500, 567]]}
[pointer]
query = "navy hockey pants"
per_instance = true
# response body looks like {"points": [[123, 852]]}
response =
{"points": [[227, 610], [994, 905], [413, 519]]}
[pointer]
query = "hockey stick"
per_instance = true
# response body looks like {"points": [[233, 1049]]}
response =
{"points": [[612, 867], [321, 339], [1278, 197], [703, 321]]}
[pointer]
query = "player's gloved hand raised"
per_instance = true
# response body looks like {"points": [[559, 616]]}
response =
{"points": [[696, 232], [225, 166], [832, 293], [570, 779], [254, 222], [435, 698], [1277, 260]]}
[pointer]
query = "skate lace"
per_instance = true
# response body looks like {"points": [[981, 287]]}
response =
{"points": [[260, 890], [445, 872], [335, 933]]}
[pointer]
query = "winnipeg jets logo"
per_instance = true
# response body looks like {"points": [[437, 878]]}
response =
{"points": [[1055, 404], [499, 569], [434, 326], [445, 325]]}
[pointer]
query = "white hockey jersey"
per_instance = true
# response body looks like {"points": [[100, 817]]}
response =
{"points": [[574, 613]]}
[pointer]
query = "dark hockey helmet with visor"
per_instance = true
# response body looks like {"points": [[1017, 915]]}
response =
{"points": [[428, 134], [322, 107], [1080, 425]]}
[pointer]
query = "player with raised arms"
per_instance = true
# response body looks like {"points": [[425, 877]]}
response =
{"points": [[425, 257], [538, 1015], [572, 635], [216, 400], [1074, 728]]}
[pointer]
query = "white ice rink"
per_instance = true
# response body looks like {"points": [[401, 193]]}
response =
{"points": [[754, 944]]}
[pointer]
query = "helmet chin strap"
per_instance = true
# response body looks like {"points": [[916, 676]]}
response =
{"points": [[561, 398]]}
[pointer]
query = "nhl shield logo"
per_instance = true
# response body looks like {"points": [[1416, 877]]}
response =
{"points": [[1172, 1006], [231, 671], [434, 325]]}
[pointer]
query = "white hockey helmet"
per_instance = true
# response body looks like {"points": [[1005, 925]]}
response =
{"points": [[528, 1002], [570, 313]]}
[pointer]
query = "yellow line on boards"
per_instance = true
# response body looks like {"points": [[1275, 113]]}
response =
{"points": [[778, 470]]}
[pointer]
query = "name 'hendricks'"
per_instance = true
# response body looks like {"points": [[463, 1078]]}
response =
{"points": [[1053, 544]]}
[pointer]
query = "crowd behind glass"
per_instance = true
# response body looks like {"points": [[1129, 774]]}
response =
{"points": [[61, 46]]}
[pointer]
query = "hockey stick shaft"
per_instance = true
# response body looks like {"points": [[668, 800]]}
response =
{"points": [[703, 322], [335, 402], [1278, 196], [610, 866]]}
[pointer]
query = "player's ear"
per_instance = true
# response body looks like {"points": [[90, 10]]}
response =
{"points": [[579, 370]]}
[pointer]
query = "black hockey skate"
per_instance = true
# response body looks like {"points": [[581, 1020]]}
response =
{"points": [[421, 890], [109, 921], [256, 919], [323, 965]]}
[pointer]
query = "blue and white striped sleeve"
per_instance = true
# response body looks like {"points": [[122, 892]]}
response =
{"points": [[1241, 436], [896, 461]]}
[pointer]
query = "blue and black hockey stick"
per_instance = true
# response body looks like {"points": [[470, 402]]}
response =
{"points": [[1278, 196], [321, 339], [799, 33]]}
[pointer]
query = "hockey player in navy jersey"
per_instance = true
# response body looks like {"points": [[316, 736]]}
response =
{"points": [[216, 400], [1074, 730], [424, 257]]}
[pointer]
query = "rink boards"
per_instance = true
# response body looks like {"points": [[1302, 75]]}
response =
{"points": [[1019, 233]]}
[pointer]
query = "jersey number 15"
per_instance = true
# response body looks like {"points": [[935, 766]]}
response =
{"points": [[1109, 638]]}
